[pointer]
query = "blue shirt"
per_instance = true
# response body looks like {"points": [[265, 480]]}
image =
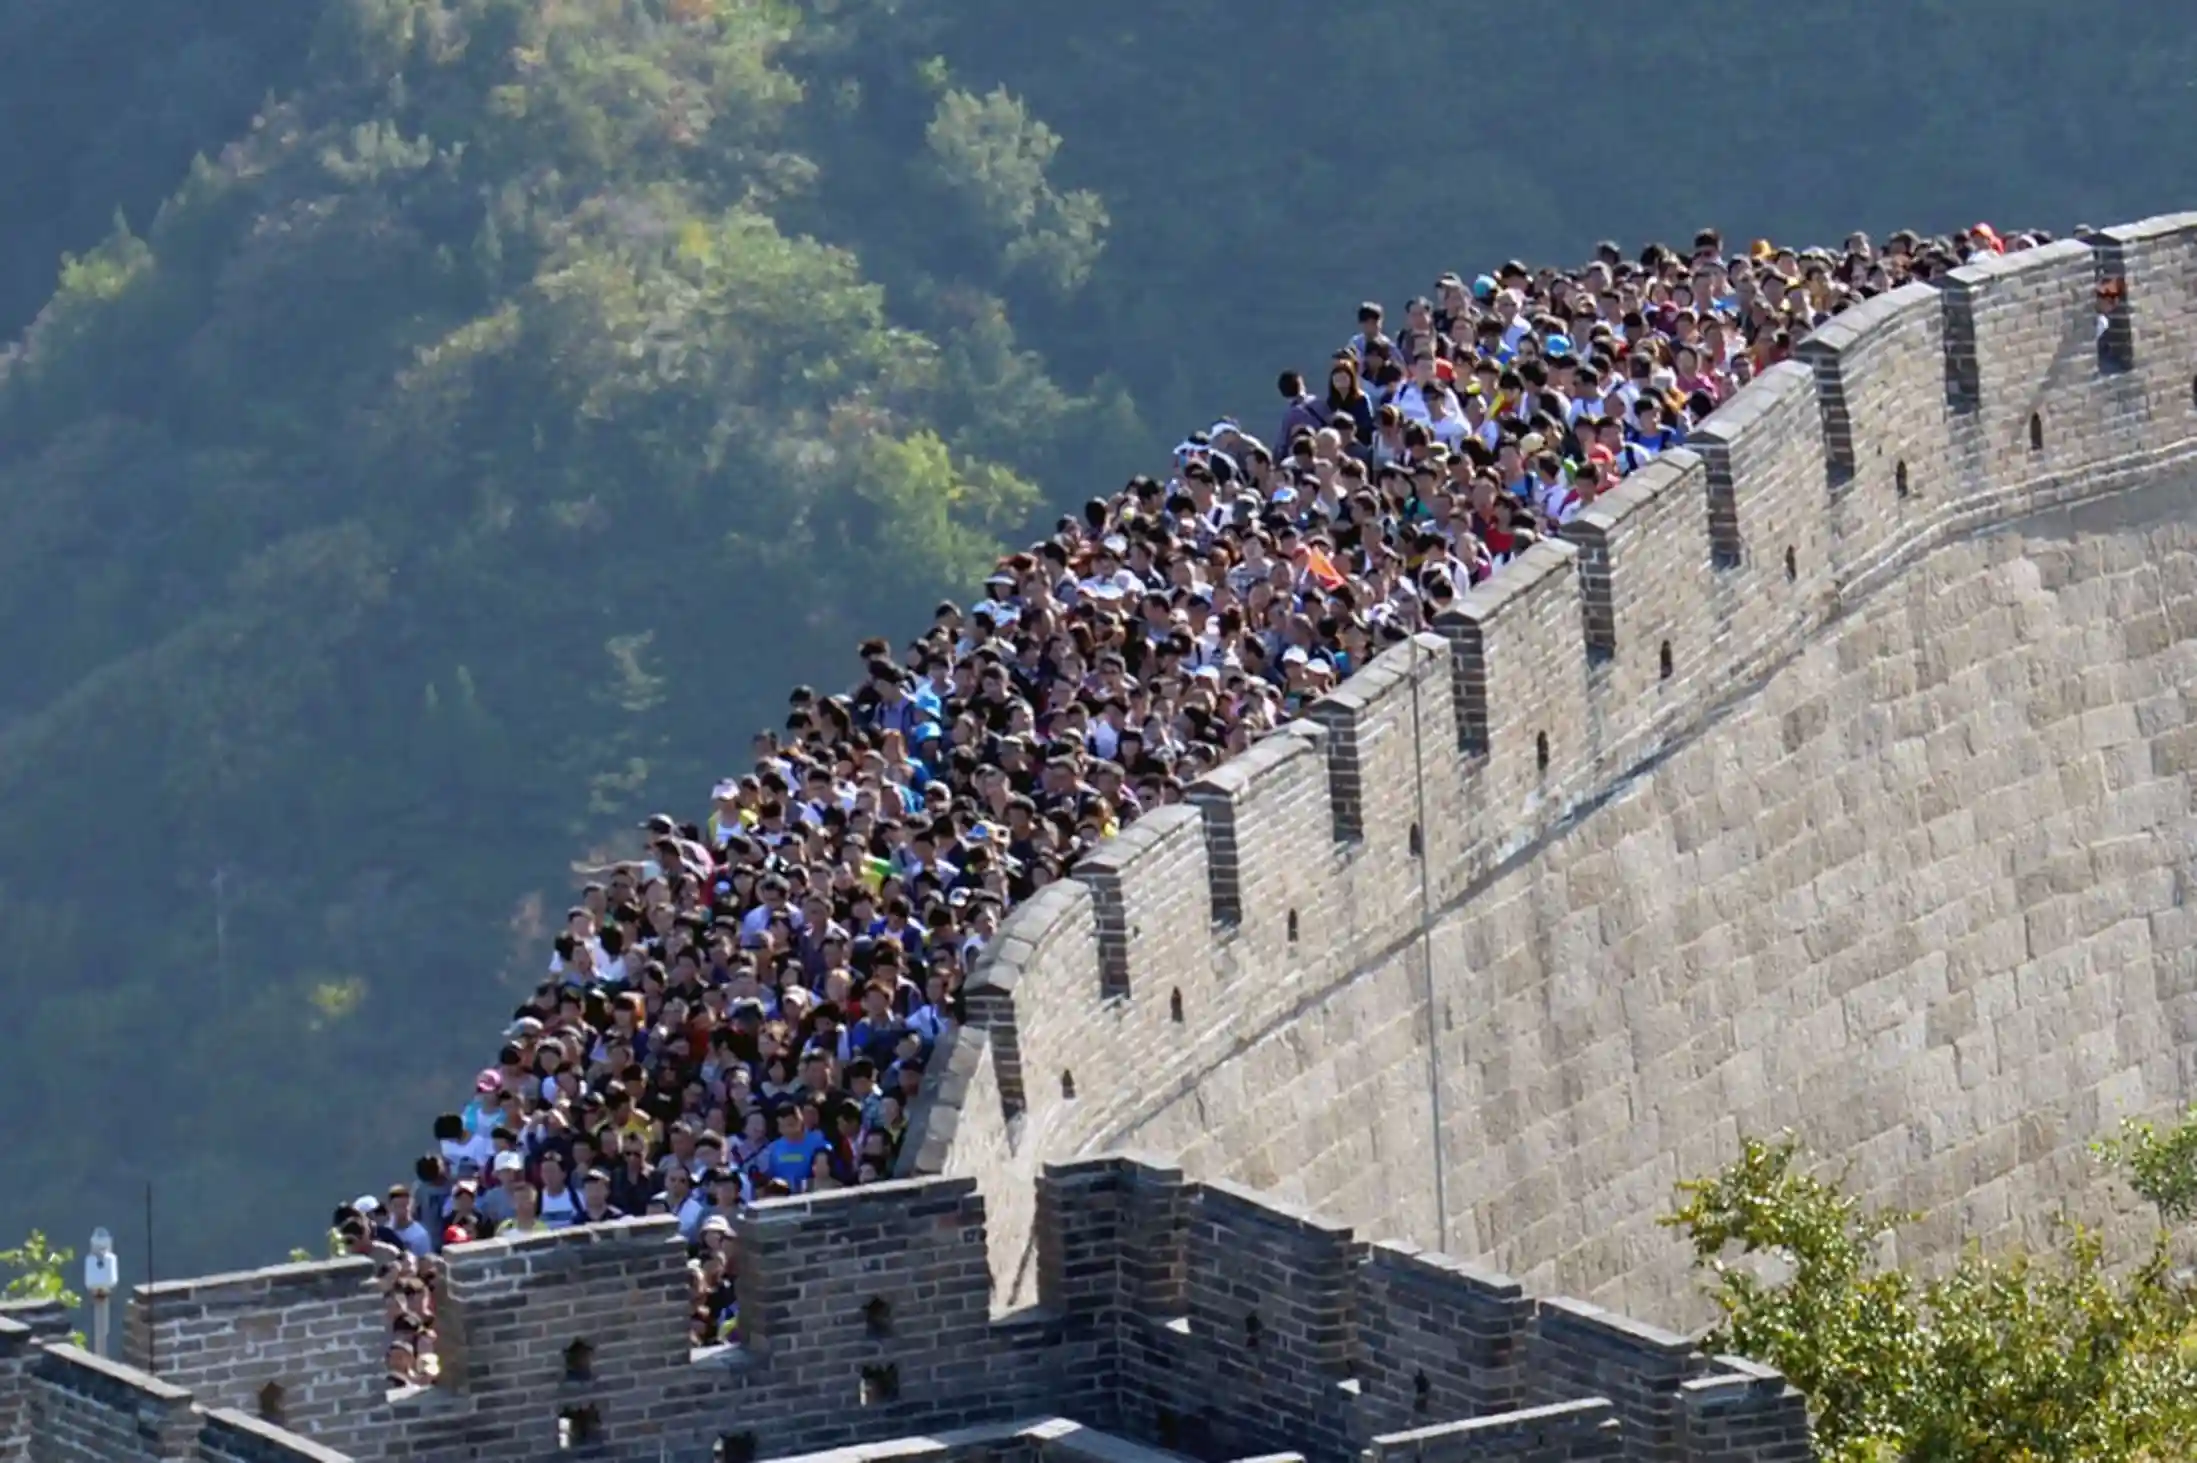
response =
{"points": [[792, 1160]]}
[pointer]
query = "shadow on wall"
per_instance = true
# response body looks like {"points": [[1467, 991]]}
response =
{"points": [[1246, 980]]}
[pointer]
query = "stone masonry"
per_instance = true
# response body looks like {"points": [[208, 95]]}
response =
{"points": [[1173, 1320], [1832, 774]]}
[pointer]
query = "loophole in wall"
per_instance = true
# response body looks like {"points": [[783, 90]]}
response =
{"points": [[1422, 1393], [1541, 750], [1174, 1006], [877, 1318], [1292, 927], [273, 1404], [1663, 661], [1899, 477], [1254, 1331], [734, 1448], [1068, 1086], [579, 1362], [2036, 432], [1418, 842], [880, 1384], [1792, 564], [578, 1427]]}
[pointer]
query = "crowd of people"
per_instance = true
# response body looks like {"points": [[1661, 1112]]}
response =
{"points": [[745, 1009]]}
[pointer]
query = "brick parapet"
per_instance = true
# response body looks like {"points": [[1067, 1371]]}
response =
{"points": [[1188, 1317], [303, 1342], [17, 1352]]}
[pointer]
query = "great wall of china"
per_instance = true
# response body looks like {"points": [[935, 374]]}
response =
{"points": [[1834, 774]]}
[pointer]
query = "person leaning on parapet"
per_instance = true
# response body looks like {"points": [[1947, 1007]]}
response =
{"points": [[749, 1005]]}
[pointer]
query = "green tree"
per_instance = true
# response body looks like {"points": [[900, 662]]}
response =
{"points": [[992, 157], [2160, 1166], [2013, 1358], [36, 1270], [395, 507]]}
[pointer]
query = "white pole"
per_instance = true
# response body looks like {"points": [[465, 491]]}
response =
{"points": [[101, 1275]]}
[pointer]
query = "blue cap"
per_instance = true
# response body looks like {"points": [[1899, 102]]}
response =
{"points": [[1483, 287], [1559, 345]]}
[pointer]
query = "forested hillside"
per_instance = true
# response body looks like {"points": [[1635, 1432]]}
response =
{"points": [[456, 423]]}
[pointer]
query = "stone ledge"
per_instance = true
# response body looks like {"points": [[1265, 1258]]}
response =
{"points": [[268, 1440]]}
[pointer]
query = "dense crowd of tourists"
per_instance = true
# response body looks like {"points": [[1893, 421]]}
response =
{"points": [[744, 1009]]}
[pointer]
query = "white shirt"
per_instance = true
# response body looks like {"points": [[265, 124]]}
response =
{"points": [[1556, 500], [560, 1211]]}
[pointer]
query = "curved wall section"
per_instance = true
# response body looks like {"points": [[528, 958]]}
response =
{"points": [[1773, 796]]}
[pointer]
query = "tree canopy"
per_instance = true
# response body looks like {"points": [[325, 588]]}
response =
{"points": [[2001, 1358]]}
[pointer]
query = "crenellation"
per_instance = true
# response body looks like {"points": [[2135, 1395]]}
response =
{"points": [[2156, 263], [1393, 797], [17, 1353], [1578, 1349], [1647, 585], [1767, 462], [315, 1331], [1149, 897], [1174, 1318], [85, 1407], [1886, 435], [1260, 810], [1521, 924], [952, 1080], [1036, 989], [1524, 695], [1440, 1338], [1745, 1411], [2022, 333]]}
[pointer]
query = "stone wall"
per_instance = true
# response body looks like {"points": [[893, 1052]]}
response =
{"points": [[1774, 796], [1174, 1319], [1216, 1322], [1778, 794], [299, 1345]]}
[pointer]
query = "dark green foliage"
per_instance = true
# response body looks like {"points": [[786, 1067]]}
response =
{"points": [[467, 458], [460, 421]]}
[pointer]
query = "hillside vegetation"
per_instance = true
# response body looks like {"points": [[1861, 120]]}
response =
{"points": [[456, 423]]}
